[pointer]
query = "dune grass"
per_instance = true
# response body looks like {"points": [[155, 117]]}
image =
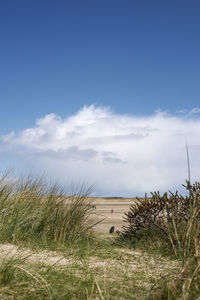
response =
{"points": [[30, 209], [100, 269], [85, 266], [145, 266]]}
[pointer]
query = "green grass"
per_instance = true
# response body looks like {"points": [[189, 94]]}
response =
{"points": [[50, 223], [30, 210], [95, 270]]}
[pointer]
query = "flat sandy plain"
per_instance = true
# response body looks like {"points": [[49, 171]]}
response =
{"points": [[102, 211]]}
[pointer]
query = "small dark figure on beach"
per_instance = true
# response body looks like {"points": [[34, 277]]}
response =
{"points": [[112, 229]]}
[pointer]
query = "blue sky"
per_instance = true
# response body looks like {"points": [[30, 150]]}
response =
{"points": [[127, 58]]}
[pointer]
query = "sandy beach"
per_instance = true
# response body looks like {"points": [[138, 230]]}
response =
{"points": [[110, 212]]}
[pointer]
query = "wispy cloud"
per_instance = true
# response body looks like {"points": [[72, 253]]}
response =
{"points": [[195, 110], [121, 154]]}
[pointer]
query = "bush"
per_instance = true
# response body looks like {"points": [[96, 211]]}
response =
{"points": [[174, 216], [177, 219]]}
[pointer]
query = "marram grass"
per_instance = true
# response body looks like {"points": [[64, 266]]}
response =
{"points": [[30, 209]]}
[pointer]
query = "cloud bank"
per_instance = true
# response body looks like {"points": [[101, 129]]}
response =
{"points": [[122, 155]]}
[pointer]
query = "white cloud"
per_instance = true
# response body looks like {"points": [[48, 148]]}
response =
{"points": [[195, 110], [7, 138], [121, 154]]}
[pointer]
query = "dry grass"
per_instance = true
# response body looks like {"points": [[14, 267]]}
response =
{"points": [[101, 271], [31, 209], [86, 267]]}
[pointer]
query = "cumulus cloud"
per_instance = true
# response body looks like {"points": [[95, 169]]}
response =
{"points": [[121, 154]]}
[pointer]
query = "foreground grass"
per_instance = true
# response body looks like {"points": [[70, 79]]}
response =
{"points": [[49, 251], [99, 269], [31, 209]]}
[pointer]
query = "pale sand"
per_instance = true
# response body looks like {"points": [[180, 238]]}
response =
{"points": [[103, 212]]}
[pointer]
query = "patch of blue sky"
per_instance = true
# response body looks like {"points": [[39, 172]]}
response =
{"points": [[136, 57]]}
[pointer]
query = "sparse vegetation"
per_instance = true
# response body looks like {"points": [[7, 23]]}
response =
{"points": [[100, 270], [62, 258], [176, 219]]}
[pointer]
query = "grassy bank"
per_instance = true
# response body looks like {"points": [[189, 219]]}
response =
{"points": [[32, 210], [49, 251], [97, 269]]}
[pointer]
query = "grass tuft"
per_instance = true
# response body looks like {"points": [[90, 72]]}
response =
{"points": [[30, 209]]}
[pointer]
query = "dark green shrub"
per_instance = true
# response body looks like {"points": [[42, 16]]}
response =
{"points": [[176, 217]]}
